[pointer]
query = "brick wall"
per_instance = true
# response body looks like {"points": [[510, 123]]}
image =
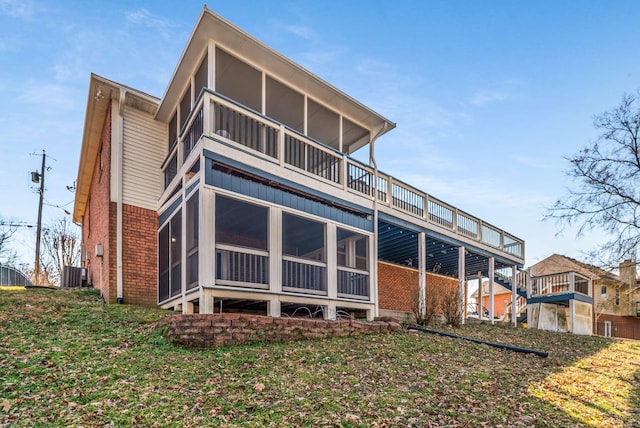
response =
{"points": [[96, 219], [627, 327], [398, 286], [206, 331], [140, 254]]}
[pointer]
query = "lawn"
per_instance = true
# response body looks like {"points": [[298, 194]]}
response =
{"points": [[66, 358]]}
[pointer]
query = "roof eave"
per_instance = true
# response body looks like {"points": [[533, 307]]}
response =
{"points": [[101, 92], [227, 35]]}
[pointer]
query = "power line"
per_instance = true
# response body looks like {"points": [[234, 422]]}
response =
{"points": [[17, 224]]}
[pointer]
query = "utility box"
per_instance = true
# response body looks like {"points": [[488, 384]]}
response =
{"points": [[72, 277]]}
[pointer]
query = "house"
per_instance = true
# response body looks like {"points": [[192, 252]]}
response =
{"points": [[236, 191], [604, 300], [501, 300]]}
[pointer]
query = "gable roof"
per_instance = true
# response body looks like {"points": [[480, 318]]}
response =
{"points": [[102, 92], [212, 26], [557, 263]]}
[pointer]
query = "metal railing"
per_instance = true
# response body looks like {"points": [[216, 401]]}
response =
{"points": [[193, 133], [352, 283], [241, 265], [302, 154], [245, 127], [506, 275], [240, 125], [307, 276], [10, 276], [560, 283]]}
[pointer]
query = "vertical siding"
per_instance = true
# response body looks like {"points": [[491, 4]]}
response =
{"points": [[143, 153]]}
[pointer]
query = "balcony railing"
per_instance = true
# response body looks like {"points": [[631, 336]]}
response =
{"points": [[560, 283], [506, 275], [219, 117], [352, 283], [242, 266], [304, 276]]}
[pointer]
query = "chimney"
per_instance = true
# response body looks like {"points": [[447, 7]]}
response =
{"points": [[628, 273]]}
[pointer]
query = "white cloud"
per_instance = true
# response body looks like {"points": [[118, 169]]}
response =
{"points": [[150, 20], [482, 98], [22, 9], [70, 70], [301, 31]]}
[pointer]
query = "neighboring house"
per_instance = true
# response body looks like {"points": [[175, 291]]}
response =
{"points": [[608, 301], [501, 300], [236, 192]]}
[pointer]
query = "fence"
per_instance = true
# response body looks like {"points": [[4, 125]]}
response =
{"points": [[10, 276]]}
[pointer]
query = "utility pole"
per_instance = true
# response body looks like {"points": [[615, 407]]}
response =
{"points": [[39, 178]]}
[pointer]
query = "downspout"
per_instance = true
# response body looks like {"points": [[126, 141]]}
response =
{"points": [[372, 162], [120, 136]]}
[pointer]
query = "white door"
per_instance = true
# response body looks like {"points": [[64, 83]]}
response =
{"points": [[607, 329]]}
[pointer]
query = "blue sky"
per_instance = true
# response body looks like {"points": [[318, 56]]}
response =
{"points": [[488, 95]]}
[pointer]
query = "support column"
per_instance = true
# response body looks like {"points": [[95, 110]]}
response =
{"points": [[422, 280], [529, 311], [514, 295], [207, 247], [332, 261], [492, 312], [479, 305], [461, 281], [332, 311], [273, 307], [275, 250], [466, 300], [572, 315], [187, 308]]}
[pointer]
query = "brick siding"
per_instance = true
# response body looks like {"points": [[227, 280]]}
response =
{"points": [[139, 244], [96, 219], [207, 331], [140, 255], [625, 327], [398, 286]]}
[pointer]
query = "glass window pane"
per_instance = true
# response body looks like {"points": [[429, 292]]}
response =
{"points": [[192, 221], [353, 249], [175, 231], [185, 107], [176, 238], [240, 223], [192, 240], [163, 263], [202, 76], [303, 238], [173, 131]]}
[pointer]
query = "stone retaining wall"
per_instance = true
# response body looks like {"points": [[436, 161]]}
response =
{"points": [[207, 331]]}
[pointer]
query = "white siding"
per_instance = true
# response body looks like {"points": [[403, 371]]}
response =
{"points": [[145, 142]]}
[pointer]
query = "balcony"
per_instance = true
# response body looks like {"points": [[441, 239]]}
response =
{"points": [[559, 284], [271, 144]]}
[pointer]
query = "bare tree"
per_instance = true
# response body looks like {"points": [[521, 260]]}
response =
{"points": [[7, 230], [61, 245], [605, 194]]}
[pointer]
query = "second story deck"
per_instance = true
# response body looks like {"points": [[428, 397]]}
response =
{"points": [[221, 125]]}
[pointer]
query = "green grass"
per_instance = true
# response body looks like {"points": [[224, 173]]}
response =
{"points": [[66, 358]]}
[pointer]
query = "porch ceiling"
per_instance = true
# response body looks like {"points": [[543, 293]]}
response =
{"points": [[400, 246]]}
